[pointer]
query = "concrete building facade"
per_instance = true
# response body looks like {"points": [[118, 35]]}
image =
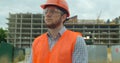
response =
{"points": [[24, 27]]}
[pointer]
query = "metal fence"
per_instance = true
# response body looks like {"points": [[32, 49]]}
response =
{"points": [[97, 54], [115, 54]]}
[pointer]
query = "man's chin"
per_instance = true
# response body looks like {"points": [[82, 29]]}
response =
{"points": [[51, 26]]}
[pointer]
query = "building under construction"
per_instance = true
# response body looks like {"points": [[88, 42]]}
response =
{"points": [[24, 27]]}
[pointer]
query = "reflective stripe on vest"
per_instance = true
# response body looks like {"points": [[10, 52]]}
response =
{"points": [[61, 51]]}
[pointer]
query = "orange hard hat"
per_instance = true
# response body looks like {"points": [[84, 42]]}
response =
{"points": [[59, 3]]}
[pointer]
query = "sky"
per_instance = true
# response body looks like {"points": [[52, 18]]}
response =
{"points": [[84, 9]]}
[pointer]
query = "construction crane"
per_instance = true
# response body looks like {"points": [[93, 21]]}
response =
{"points": [[98, 17]]}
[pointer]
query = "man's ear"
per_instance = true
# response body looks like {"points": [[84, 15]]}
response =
{"points": [[64, 16]]}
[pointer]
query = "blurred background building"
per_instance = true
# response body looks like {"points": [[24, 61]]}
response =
{"points": [[24, 27]]}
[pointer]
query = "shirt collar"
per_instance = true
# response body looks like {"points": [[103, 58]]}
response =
{"points": [[63, 29]]}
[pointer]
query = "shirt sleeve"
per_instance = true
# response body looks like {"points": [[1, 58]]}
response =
{"points": [[80, 54]]}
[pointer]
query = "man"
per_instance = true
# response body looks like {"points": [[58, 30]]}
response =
{"points": [[58, 45]]}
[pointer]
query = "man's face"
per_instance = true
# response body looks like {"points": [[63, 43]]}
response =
{"points": [[52, 17]]}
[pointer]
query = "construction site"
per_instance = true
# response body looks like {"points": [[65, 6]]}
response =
{"points": [[102, 38]]}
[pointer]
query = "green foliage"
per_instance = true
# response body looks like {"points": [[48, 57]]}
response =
{"points": [[108, 21], [2, 35], [6, 52]]}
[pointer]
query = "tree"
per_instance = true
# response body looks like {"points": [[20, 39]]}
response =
{"points": [[2, 35], [117, 20], [108, 21]]}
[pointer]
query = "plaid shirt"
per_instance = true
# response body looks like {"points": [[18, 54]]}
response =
{"points": [[80, 54]]}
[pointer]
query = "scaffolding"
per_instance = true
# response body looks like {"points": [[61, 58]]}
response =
{"points": [[24, 27]]}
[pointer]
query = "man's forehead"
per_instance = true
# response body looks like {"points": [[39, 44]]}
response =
{"points": [[52, 8]]}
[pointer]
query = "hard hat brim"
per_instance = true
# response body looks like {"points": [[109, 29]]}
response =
{"points": [[43, 6]]}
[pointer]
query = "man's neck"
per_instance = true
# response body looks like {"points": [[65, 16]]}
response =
{"points": [[54, 32]]}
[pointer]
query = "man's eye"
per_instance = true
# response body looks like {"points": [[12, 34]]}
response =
{"points": [[45, 12], [51, 11]]}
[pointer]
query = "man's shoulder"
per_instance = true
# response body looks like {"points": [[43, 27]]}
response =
{"points": [[40, 36], [37, 39], [75, 33]]}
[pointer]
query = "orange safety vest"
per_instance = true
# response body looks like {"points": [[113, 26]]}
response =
{"points": [[61, 51]]}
